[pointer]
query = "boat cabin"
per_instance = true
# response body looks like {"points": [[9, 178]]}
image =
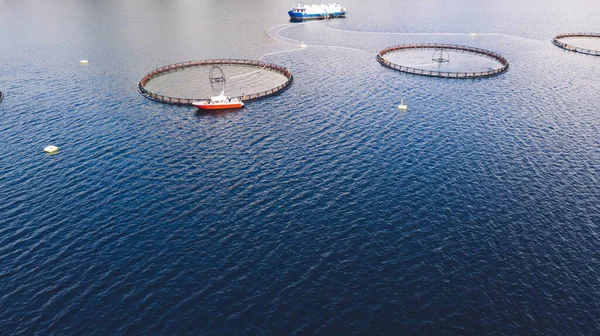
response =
{"points": [[220, 100]]}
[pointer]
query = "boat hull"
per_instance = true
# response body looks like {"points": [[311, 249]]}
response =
{"points": [[294, 16], [206, 106]]}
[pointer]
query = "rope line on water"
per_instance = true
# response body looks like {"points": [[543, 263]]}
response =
{"points": [[253, 72]]}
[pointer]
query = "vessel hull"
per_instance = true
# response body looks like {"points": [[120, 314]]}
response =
{"points": [[205, 106], [320, 16]]}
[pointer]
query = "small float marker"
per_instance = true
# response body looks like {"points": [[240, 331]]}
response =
{"points": [[473, 34], [303, 45], [83, 61], [402, 106], [51, 149]]}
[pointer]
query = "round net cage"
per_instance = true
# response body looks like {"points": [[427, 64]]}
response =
{"points": [[184, 83], [584, 43], [443, 60]]}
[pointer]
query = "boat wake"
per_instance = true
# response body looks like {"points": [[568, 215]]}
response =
{"points": [[275, 34], [434, 34]]}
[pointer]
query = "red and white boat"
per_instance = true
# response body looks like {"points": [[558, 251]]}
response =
{"points": [[219, 102]]}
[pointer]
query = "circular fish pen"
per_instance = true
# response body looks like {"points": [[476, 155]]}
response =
{"points": [[443, 60], [585, 43], [186, 82]]}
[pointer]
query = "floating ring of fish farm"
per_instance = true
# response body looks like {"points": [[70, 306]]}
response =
{"points": [[439, 49], [566, 46], [212, 63]]}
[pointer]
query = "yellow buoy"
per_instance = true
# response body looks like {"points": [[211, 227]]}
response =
{"points": [[51, 149], [402, 106], [83, 61], [473, 34], [303, 45]]}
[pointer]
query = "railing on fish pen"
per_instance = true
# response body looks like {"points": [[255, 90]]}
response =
{"points": [[236, 62], [566, 46], [443, 74]]}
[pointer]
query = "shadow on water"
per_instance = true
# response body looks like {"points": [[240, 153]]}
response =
{"points": [[214, 113]]}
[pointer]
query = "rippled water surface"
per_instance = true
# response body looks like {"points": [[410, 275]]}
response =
{"points": [[324, 210]]}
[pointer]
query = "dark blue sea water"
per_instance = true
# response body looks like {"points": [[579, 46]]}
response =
{"points": [[324, 210]]}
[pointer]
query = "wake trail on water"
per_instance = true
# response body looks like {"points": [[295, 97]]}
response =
{"points": [[277, 37], [275, 34], [434, 34]]}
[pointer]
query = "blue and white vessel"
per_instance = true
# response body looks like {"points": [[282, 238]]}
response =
{"points": [[322, 11]]}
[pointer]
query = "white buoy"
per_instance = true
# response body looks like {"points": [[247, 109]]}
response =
{"points": [[402, 106], [303, 45], [83, 61], [473, 34], [51, 149]]}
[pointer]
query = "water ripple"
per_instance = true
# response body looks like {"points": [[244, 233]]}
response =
{"points": [[324, 210]]}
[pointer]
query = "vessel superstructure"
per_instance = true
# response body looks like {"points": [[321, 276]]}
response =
{"points": [[322, 11]]}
